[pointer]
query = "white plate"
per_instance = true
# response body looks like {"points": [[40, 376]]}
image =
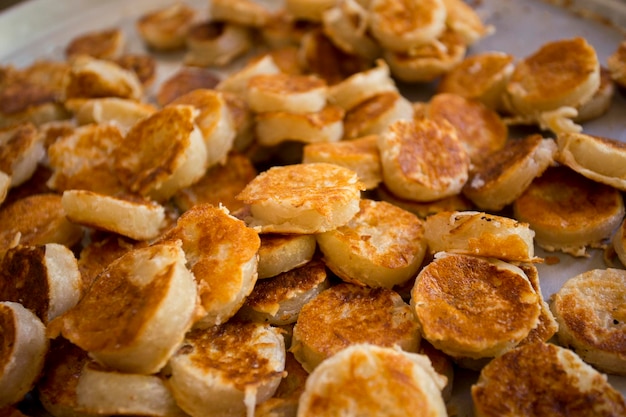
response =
{"points": [[42, 28]]}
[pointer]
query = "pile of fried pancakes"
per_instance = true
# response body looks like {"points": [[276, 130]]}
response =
{"points": [[297, 238]]}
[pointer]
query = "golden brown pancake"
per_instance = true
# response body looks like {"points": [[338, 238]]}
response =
{"points": [[283, 252], [348, 314], [101, 44], [375, 114], [543, 379], [185, 80], [216, 43], [165, 29]]}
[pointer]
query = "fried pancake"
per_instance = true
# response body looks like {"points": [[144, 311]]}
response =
{"points": [[423, 160], [100, 44], [481, 129], [96, 78], [219, 185], [381, 246], [36, 220], [482, 76], [600, 103], [100, 251], [560, 73], [547, 326], [33, 93], [5, 184], [427, 62], [136, 312], [348, 314], [21, 149], [402, 25], [120, 112], [103, 392], [221, 253], [242, 12], [22, 351], [326, 125], [360, 155], [129, 216], [226, 370], [287, 93], [183, 81], [375, 114], [281, 253], [543, 379], [44, 278], [597, 158], [474, 307], [361, 86], [165, 29], [616, 64], [569, 212], [590, 311], [162, 153], [82, 160], [480, 234], [243, 121], [308, 10], [454, 203], [461, 18], [143, 65], [286, 58], [302, 198], [278, 300], [283, 29], [214, 121], [237, 82], [618, 241], [346, 25], [503, 175], [284, 403], [322, 57], [365, 379], [216, 43], [56, 390], [442, 364]]}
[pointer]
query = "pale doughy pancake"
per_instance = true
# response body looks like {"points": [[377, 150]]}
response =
{"points": [[473, 307], [22, 351], [21, 149], [598, 158], [348, 314], [365, 379], [302, 198], [569, 212], [543, 379], [285, 92], [590, 311], [44, 278], [480, 234], [345, 24], [283, 252], [381, 246], [243, 12], [423, 160], [121, 112], [503, 175], [129, 216], [616, 64]]}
